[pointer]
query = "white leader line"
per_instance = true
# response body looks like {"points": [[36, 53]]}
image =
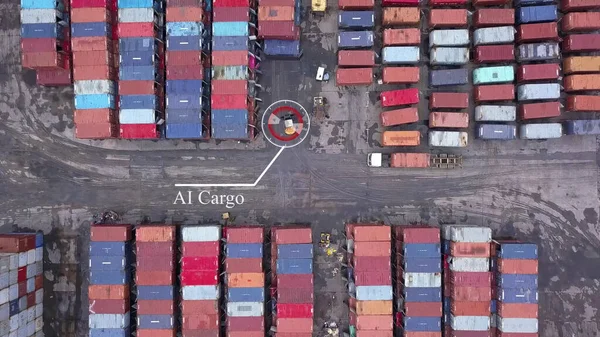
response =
{"points": [[238, 185]]}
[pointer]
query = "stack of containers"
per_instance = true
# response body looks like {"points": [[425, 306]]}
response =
{"points": [[356, 57], [154, 278], [418, 281], [142, 102], [292, 280], [21, 284], [200, 292], [370, 290], [110, 276], [279, 26], [45, 41], [467, 280], [496, 107], [245, 282], [185, 70], [539, 86], [515, 267], [581, 65]]}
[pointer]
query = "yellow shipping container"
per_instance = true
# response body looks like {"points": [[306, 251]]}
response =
{"points": [[581, 64]]}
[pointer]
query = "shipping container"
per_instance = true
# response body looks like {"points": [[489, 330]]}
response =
{"points": [[154, 248], [422, 323], [200, 323], [185, 14], [400, 37], [401, 138], [356, 19], [541, 131], [294, 266], [245, 309], [448, 18], [200, 292], [494, 35], [422, 309], [108, 306], [189, 308], [373, 308], [232, 3], [395, 16], [469, 249], [184, 73], [96, 131], [137, 73], [99, 248], [486, 75], [282, 48], [469, 294], [109, 321], [519, 266], [244, 250], [243, 265], [448, 138], [446, 77], [401, 55], [495, 53], [99, 263], [399, 97], [155, 321], [517, 281], [245, 295], [512, 250], [356, 58], [452, 100], [42, 30], [43, 60], [112, 333], [448, 120], [223, 87], [539, 110], [422, 279], [292, 295], [470, 323], [275, 13], [539, 91], [184, 58], [581, 42], [296, 251], [155, 307], [225, 14], [138, 44], [581, 21], [231, 29], [421, 250], [39, 45], [295, 310], [230, 43], [186, 28], [538, 52], [245, 280], [355, 39], [537, 32], [500, 92], [154, 292], [449, 38], [118, 233], [517, 310], [230, 125], [354, 76], [302, 325], [495, 113], [422, 265], [574, 5], [174, 87], [581, 64], [183, 43], [490, 17], [108, 292], [279, 30], [83, 73], [288, 236], [470, 308], [372, 248], [137, 15], [583, 127], [448, 56], [371, 263], [401, 75], [517, 325], [374, 322], [356, 4], [509, 295], [39, 4], [537, 14], [89, 29], [229, 102], [374, 278], [374, 293], [414, 294], [537, 72]]}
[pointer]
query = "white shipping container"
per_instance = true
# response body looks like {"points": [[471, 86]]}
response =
{"points": [[200, 292], [137, 116], [30, 328], [422, 280], [94, 87], [401, 55], [494, 35], [14, 261], [469, 264], [538, 51], [4, 312], [4, 263], [470, 323], [245, 309], [22, 259], [14, 323], [39, 254], [30, 285], [449, 56], [31, 256], [39, 324], [201, 233], [39, 310], [13, 276], [538, 91], [374, 293], [22, 332], [4, 280], [449, 38], [448, 138], [39, 296], [109, 321], [495, 113], [516, 325], [4, 327], [32, 16], [31, 314], [23, 316], [136, 15], [4, 296], [541, 131], [31, 270], [469, 234], [13, 292], [39, 268]]}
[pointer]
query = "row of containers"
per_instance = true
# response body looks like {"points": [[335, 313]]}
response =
{"points": [[21, 284], [292, 287], [235, 70], [369, 280], [279, 28], [45, 41]]}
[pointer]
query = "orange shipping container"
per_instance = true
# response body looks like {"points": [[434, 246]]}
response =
{"points": [[90, 14], [374, 322], [115, 233], [192, 307], [372, 333], [582, 83], [581, 21], [94, 73], [469, 249], [401, 75], [155, 234], [471, 308], [246, 280], [108, 292], [356, 4], [372, 248], [289, 236], [401, 138], [355, 58], [471, 294], [374, 307], [517, 310], [583, 103], [529, 267], [94, 58], [450, 18], [92, 43], [94, 116], [581, 64], [372, 233], [275, 13], [410, 160], [155, 333], [184, 14], [43, 60], [399, 116], [401, 37], [448, 120], [354, 76], [401, 16], [96, 131], [294, 325]]}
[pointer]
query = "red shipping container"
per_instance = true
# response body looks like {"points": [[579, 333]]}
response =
{"points": [[245, 323], [155, 263], [452, 100], [155, 307], [54, 76], [539, 110], [495, 53], [154, 248], [288, 236], [581, 21], [400, 75], [195, 307], [295, 310], [184, 14], [243, 265], [22, 274], [401, 36], [229, 87], [374, 322], [183, 58], [136, 29], [399, 97], [209, 248], [392, 3], [537, 32], [200, 322], [581, 103], [232, 3], [369, 232], [387, 333], [298, 281], [184, 73], [223, 14], [39, 45], [291, 295], [491, 2], [399, 116], [225, 102], [470, 279], [155, 333], [464, 333], [581, 42], [185, 3], [138, 131], [282, 30], [107, 292], [471, 308], [96, 131], [245, 234], [22, 288], [294, 325], [249, 334], [470, 249], [355, 4], [110, 4], [517, 310], [277, 3], [94, 58], [154, 278], [139, 87], [43, 60], [92, 43], [109, 306], [372, 248], [356, 58], [472, 294], [418, 234], [447, 18], [200, 263], [200, 333], [497, 92], [354, 76], [448, 2], [423, 309], [39, 282], [116, 233], [30, 300], [373, 278], [230, 58], [490, 17], [196, 277], [94, 73], [538, 72], [371, 263], [577, 5]]}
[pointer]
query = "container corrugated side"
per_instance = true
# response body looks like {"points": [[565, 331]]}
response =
{"points": [[470, 264], [449, 38], [470, 323], [200, 233], [374, 293], [495, 113], [517, 325], [467, 234], [494, 35], [245, 309]]}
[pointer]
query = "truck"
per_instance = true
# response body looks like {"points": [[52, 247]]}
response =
{"points": [[414, 160]]}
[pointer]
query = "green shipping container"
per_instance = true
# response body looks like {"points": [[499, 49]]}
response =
{"points": [[488, 75]]}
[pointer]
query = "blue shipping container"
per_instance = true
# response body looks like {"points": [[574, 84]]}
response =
{"points": [[38, 4], [422, 323], [423, 265], [179, 43], [138, 102], [518, 295], [229, 131], [244, 250], [110, 332], [494, 305], [175, 87], [154, 321], [526, 251], [446, 247], [282, 48], [184, 101], [100, 248], [422, 294], [184, 131], [185, 28], [294, 266], [137, 58], [41, 30], [236, 28], [518, 3], [447, 305], [356, 19], [374, 293], [183, 116], [39, 239], [229, 43], [297, 251], [246, 295], [422, 250], [154, 292], [98, 263], [535, 14], [90, 29], [362, 39], [97, 101], [350, 272], [583, 127], [13, 307], [136, 3], [521, 281], [137, 73], [137, 44], [110, 277]]}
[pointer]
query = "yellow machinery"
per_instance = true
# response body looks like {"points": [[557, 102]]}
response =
{"points": [[318, 6]]}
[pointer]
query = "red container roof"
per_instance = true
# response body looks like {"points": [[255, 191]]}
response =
{"points": [[155, 307], [139, 131], [245, 234], [209, 248]]}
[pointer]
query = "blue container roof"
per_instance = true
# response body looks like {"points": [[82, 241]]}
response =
{"points": [[225, 43], [184, 131], [282, 47]]}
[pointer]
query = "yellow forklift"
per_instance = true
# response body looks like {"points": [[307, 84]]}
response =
{"points": [[319, 6]]}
